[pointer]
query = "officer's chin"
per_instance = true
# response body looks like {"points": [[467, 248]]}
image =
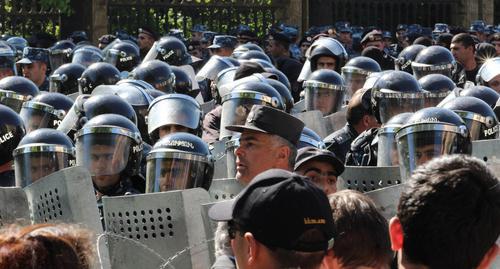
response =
{"points": [[105, 182]]}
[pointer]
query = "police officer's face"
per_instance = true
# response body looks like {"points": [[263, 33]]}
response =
{"points": [[35, 72], [145, 41], [105, 165], [321, 173], [324, 101], [325, 62], [172, 128], [255, 154], [494, 83], [41, 166], [174, 175], [425, 153]]}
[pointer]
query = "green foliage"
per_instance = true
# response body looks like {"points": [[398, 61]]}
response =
{"points": [[62, 5]]}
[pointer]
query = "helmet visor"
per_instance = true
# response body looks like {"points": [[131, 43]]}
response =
{"points": [[8, 62], [103, 154], [421, 70], [354, 81], [394, 103], [387, 152], [326, 98], [57, 58], [213, 67], [174, 111], [86, 57], [167, 171], [479, 127], [30, 166], [38, 115], [13, 100]]}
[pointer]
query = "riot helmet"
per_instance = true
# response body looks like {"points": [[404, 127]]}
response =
{"points": [[97, 74], [430, 132], [60, 53], [183, 83], [437, 86], [355, 73], [157, 73], [97, 105], [214, 65], [110, 147], [396, 92], [489, 74], [406, 57], [255, 54], [15, 90], [262, 62], [18, 44], [281, 76], [484, 93], [309, 138], [7, 60], [237, 104], [285, 93], [244, 48], [433, 60], [170, 50], [326, 47], [65, 78], [478, 116], [179, 161], [324, 91], [11, 132], [174, 113], [87, 55], [124, 56], [46, 110], [155, 93], [387, 152], [41, 153]]}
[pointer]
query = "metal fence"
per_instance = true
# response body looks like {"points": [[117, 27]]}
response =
{"points": [[219, 15], [26, 17]]}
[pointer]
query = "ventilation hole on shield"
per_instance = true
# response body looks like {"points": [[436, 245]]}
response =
{"points": [[160, 226], [127, 213], [168, 210], [389, 182], [485, 159], [162, 234], [150, 212], [158, 210], [153, 235], [170, 225], [216, 197], [143, 212], [171, 233]]}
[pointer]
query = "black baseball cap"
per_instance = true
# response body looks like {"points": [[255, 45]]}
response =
{"points": [[270, 120], [282, 210], [31, 54], [311, 153]]}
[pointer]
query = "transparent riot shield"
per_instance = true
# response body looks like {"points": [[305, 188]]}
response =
{"points": [[168, 223], [218, 151], [65, 196], [488, 151], [224, 189], [387, 199], [14, 207], [335, 121], [299, 107], [74, 95], [313, 120], [368, 178], [208, 106]]}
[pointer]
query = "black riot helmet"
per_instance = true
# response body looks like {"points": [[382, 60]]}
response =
{"points": [[97, 74], [285, 93], [406, 57], [281, 76], [309, 138], [237, 104], [433, 60], [478, 116], [387, 152], [110, 147], [170, 50], [179, 161], [124, 55], [173, 112], [324, 91], [183, 83], [46, 110], [326, 47], [65, 78], [214, 65], [18, 44], [11, 132], [355, 72], [41, 153], [429, 133], [60, 53], [86, 55], [244, 48], [254, 54], [157, 73], [396, 92], [108, 104], [438, 86], [484, 93], [7, 60], [15, 90]]}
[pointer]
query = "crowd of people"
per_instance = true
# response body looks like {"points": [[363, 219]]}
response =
{"points": [[147, 113]]}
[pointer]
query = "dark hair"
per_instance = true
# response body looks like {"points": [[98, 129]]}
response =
{"points": [[450, 213], [56, 246], [423, 40], [484, 51], [362, 235], [465, 39], [359, 106], [495, 37]]}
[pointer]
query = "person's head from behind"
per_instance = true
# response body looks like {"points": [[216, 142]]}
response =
{"points": [[362, 236], [301, 230], [45, 246], [449, 217]]}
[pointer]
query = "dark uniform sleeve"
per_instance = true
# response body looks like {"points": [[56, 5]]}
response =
{"points": [[211, 125], [340, 142]]}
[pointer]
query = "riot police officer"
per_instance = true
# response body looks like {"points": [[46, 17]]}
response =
{"points": [[60, 53], [322, 51], [41, 153], [65, 78], [11, 132], [110, 147], [156, 73], [387, 152], [183, 83], [179, 161], [174, 113], [324, 91], [406, 57], [478, 116], [46, 110], [35, 66], [86, 55], [97, 74], [429, 133], [244, 48], [484, 93], [355, 73], [15, 90], [170, 50], [438, 86], [125, 56], [7, 61]]}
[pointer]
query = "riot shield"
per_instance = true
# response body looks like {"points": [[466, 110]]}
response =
{"points": [[488, 151], [387, 199], [335, 121], [313, 120], [65, 196], [73, 96], [218, 151], [224, 189], [168, 223], [298, 107], [14, 207], [208, 106], [210, 228], [368, 178]]}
